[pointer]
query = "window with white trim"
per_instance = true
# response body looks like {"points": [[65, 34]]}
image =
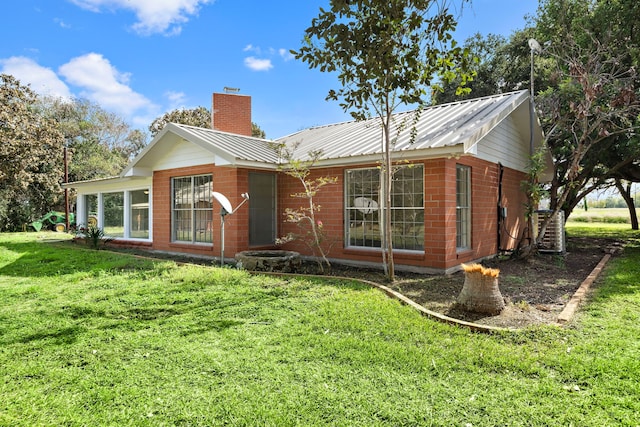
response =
{"points": [[192, 209], [113, 213], [463, 207], [139, 214], [407, 208], [90, 216]]}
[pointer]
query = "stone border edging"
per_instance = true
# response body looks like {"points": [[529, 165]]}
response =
{"points": [[476, 327], [570, 308]]}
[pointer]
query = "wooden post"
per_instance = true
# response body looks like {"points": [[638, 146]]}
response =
{"points": [[66, 191]]}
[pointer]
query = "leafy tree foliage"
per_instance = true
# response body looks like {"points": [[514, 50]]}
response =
{"points": [[385, 53], [31, 166], [586, 89], [199, 117], [590, 108], [257, 132], [100, 143], [501, 65]]}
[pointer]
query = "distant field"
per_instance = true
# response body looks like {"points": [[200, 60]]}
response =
{"points": [[606, 215]]}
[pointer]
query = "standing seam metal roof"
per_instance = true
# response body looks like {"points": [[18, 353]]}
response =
{"points": [[443, 125], [241, 147], [440, 126]]}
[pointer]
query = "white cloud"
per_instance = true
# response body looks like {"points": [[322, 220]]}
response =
{"points": [[43, 81], [154, 16], [285, 54], [257, 64], [97, 81], [61, 23], [176, 99], [104, 84]]}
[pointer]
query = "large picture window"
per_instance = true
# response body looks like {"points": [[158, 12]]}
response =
{"points": [[113, 207], [463, 207], [407, 208], [139, 217], [90, 218], [192, 209]]}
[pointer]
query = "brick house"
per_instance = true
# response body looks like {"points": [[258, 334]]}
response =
{"points": [[456, 194]]}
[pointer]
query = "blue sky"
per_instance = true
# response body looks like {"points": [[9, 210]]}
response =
{"points": [[142, 58]]}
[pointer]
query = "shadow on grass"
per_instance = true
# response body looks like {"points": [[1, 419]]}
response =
{"points": [[43, 259], [62, 336]]}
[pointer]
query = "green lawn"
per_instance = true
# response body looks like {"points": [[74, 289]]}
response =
{"points": [[602, 215], [98, 338]]}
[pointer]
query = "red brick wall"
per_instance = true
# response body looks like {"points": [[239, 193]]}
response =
{"points": [[330, 199], [232, 183], [439, 216], [484, 206], [229, 181], [162, 211], [440, 213], [484, 219], [231, 113]]}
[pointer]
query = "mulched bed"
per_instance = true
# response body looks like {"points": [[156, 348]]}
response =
{"points": [[535, 290]]}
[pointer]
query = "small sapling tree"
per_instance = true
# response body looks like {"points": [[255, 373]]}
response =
{"points": [[312, 231]]}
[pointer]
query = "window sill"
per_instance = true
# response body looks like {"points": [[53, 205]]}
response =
{"points": [[187, 245], [397, 253], [464, 253]]}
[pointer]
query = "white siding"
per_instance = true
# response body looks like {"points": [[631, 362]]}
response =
{"points": [[184, 154], [505, 144]]}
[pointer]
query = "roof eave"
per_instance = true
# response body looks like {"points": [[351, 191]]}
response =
{"points": [[92, 182], [427, 153]]}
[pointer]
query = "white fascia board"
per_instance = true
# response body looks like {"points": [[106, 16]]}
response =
{"points": [[135, 171], [223, 160], [108, 185], [255, 165], [145, 150], [427, 153], [94, 182]]}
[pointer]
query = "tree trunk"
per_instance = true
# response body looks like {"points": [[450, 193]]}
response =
{"points": [[388, 175], [480, 293], [626, 195]]}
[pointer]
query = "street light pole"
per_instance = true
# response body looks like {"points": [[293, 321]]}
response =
{"points": [[535, 47]]}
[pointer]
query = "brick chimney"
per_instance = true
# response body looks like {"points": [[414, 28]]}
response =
{"points": [[231, 113]]}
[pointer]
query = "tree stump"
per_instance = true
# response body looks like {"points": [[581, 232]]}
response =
{"points": [[269, 260], [480, 293]]}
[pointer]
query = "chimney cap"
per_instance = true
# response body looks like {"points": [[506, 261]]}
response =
{"points": [[228, 89]]}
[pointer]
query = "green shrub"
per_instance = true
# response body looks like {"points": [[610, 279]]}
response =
{"points": [[95, 237]]}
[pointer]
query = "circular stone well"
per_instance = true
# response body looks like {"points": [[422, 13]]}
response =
{"points": [[269, 260]]}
